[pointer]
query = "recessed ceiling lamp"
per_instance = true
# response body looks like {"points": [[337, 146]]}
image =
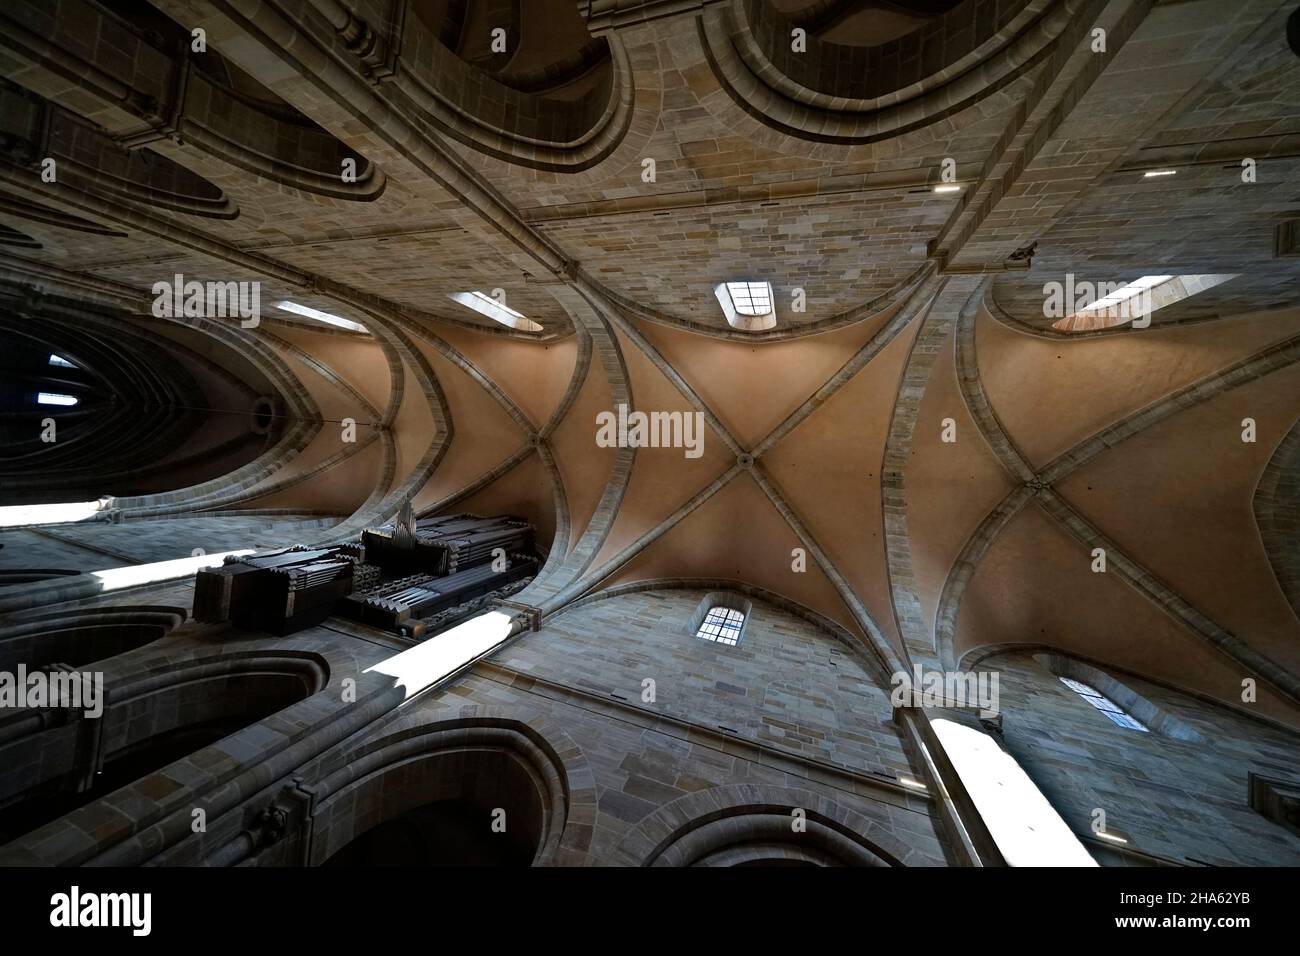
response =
{"points": [[484, 304], [320, 316], [948, 188], [54, 398], [1153, 173], [748, 304]]}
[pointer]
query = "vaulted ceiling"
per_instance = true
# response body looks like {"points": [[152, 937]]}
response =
{"points": [[666, 148]]}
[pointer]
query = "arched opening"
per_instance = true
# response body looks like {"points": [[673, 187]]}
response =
{"points": [[724, 827], [144, 727], [476, 792], [481, 807], [125, 768], [524, 82], [73, 640]]}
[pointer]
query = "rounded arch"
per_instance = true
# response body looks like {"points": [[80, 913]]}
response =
{"points": [[149, 720], [81, 637], [844, 96], [487, 760], [565, 116], [227, 688], [740, 824]]}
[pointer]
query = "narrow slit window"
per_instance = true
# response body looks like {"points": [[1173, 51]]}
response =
{"points": [[326, 317], [60, 361], [722, 625], [55, 398], [495, 310], [1104, 704]]}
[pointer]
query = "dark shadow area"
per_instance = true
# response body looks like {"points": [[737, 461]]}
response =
{"points": [[446, 833]]}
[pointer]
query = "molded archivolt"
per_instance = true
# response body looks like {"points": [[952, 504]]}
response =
{"points": [[87, 156], [484, 761], [150, 720], [254, 136], [751, 826], [80, 637], [23, 208], [12, 237], [32, 129], [522, 118], [197, 99], [836, 93]]}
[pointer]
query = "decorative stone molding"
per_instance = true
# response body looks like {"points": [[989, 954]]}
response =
{"points": [[748, 46], [726, 824], [609, 16]]}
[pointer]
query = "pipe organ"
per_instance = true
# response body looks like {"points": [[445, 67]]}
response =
{"points": [[398, 576]]}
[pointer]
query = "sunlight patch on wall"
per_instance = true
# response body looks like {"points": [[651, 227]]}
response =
{"points": [[1026, 828], [437, 658]]}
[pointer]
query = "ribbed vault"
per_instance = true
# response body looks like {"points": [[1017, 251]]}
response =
{"points": [[914, 457]]}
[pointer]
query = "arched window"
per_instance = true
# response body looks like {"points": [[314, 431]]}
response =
{"points": [[1103, 703], [722, 625]]}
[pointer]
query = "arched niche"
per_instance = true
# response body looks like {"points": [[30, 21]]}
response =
{"points": [[59, 760], [81, 637], [465, 793], [739, 825]]}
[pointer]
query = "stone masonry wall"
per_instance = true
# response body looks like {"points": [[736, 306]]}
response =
{"points": [[1184, 800]]}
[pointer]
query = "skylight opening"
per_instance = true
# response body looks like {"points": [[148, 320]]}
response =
{"points": [[1126, 293], [60, 361], [1133, 302], [320, 316], [484, 304], [55, 398], [748, 304]]}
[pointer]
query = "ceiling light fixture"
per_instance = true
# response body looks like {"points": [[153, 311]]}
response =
{"points": [[949, 188], [484, 304], [1153, 173], [320, 316], [60, 361]]}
